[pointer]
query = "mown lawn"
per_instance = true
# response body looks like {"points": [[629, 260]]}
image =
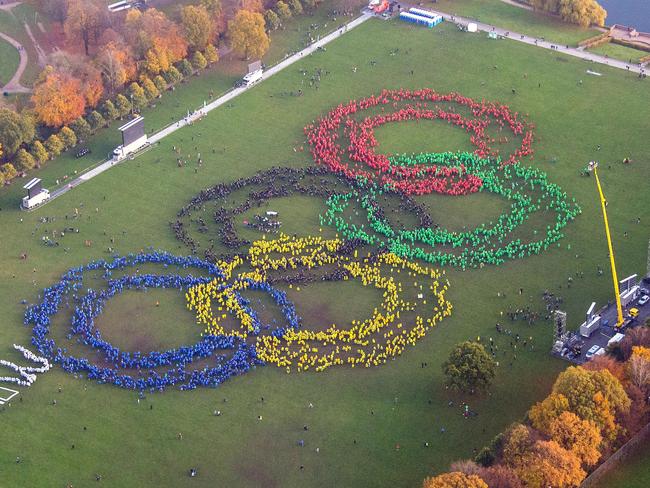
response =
{"points": [[617, 51], [517, 19], [359, 416]]}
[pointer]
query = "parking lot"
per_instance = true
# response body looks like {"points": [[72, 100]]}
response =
{"points": [[607, 329]]}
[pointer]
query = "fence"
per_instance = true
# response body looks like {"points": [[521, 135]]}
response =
{"points": [[628, 449]]}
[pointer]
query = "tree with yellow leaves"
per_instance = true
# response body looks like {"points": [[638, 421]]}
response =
{"points": [[581, 437], [454, 480], [638, 367], [543, 413], [248, 38]]}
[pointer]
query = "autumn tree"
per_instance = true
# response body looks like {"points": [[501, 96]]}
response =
{"points": [[500, 476], [638, 367], [39, 152], [593, 395], [638, 336], [454, 480], [310, 5], [160, 83], [185, 67], [582, 12], [96, 120], [68, 137], [198, 61], [295, 6], [607, 362], [519, 443], [122, 105], [543, 413], [252, 5], [86, 19], [137, 96], [548, 465], [15, 130], [469, 367], [116, 63], [56, 10], [81, 128], [24, 160], [54, 146], [272, 20], [248, 38], [155, 38], [198, 27], [212, 6], [581, 437], [58, 100], [150, 89], [8, 172], [283, 11], [172, 75], [109, 110], [211, 54]]}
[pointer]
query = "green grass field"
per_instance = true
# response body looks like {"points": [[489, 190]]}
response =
{"points": [[10, 59], [402, 403], [632, 473], [517, 19], [12, 23], [617, 51]]}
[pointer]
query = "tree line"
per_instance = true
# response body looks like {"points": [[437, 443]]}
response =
{"points": [[129, 59], [591, 411]]}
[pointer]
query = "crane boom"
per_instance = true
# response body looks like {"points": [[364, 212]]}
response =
{"points": [[603, 205]]}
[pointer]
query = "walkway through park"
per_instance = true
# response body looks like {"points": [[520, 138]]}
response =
{"points": [[235, 92], [13, 85], [535, 41], [190, 118]]}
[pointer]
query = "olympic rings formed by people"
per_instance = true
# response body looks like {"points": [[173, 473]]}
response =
{"points": [[365, 343], [424, 104], [116, 363], [487, 243]]}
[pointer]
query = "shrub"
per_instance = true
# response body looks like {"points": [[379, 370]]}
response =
{"points": [[54, 146], [172, 75], [109, 110], [198, 61], [39, 152], [122, 104], [211, 53], [24, 160], [185, 67], [96, 120], [160, 83], [8, 172]]}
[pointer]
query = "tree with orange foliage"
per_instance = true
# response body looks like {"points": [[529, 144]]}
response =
{"points": [[153, 32], [58, 100], [198, 27], [454, 480], [594, 395], [581, 437], [500, 476], [86, 18], [247, 34], [252, 6], [116, 63], [606, 362], [548, 465]]}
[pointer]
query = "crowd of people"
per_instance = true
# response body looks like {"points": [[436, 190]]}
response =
{"points": [[135, 370], [527, 190], [424, 104], [26, 374], [367, 342]]}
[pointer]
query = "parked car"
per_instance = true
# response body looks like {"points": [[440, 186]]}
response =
{"points": [[643, 300], [82, 152], [593, 351]]}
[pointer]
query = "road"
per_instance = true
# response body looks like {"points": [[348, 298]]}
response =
{"points": [[537, 42]]}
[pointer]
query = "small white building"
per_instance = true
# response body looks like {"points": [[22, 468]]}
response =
{"points": [[36, 194]]}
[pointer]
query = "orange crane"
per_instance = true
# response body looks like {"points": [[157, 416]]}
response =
{"points": [[593, 167]]}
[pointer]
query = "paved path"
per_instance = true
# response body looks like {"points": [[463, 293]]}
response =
{"points": [[533, 41], [42, 59], [13, 85], [154, 138]]}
